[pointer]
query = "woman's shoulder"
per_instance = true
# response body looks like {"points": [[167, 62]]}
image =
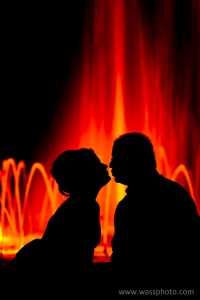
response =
{"points": [[90, 205], [75, 203]]}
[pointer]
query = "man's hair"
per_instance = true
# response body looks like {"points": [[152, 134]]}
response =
{"points": [[137, 147]]}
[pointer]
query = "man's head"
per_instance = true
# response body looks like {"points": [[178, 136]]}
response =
{"points": [[133, 158]]}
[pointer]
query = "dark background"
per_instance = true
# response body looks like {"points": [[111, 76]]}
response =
{"points": [[39, 44]]}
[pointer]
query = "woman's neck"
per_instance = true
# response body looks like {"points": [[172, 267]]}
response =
{"points": [[85, 195]]}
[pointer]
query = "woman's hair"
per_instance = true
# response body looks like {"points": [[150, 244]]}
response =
{"points": [[69, 169]]}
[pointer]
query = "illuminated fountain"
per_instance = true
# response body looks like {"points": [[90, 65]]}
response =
{"points": [[133, 77]]}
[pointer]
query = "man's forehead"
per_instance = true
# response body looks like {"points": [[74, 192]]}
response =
{"points": [[117, 151]]}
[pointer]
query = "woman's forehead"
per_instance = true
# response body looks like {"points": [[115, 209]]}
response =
{"points": [[94, 156]]}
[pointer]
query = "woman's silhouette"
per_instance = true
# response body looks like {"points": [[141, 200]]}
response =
{"points": [[67, 246]]}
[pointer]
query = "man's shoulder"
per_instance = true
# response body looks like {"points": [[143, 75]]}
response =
{"points": [[172, 186], [178, 194]]}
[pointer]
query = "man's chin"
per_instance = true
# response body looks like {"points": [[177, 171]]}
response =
{"points": [[120, 180]]}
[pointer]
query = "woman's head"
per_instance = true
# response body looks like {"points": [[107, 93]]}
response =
{"points": [[78, 170]]}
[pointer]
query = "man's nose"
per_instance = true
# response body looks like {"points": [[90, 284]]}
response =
{"points": [[110, 164]]}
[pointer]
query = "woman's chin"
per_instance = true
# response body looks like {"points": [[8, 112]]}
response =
{"points": [[107, 179]]}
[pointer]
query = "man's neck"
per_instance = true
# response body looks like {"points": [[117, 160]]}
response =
{"points": [[139, 183]]}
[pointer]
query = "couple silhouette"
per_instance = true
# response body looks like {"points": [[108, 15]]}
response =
{"points": [[156, 227]]}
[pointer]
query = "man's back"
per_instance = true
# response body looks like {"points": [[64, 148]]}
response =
{"points": [[156, 229]]}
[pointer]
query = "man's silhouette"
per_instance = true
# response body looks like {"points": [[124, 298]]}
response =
{"points": [[156, 237]]}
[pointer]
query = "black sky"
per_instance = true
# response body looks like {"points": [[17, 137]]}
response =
{"points": [[38, 46]]}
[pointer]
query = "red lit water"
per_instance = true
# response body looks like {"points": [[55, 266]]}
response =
{"points": [[133, 76]]}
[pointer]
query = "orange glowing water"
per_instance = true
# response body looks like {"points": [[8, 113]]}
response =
{"points": [[14, 206], [132, 77]]}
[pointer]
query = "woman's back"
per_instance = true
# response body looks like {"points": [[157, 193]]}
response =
{"points": [[73, 232]]}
